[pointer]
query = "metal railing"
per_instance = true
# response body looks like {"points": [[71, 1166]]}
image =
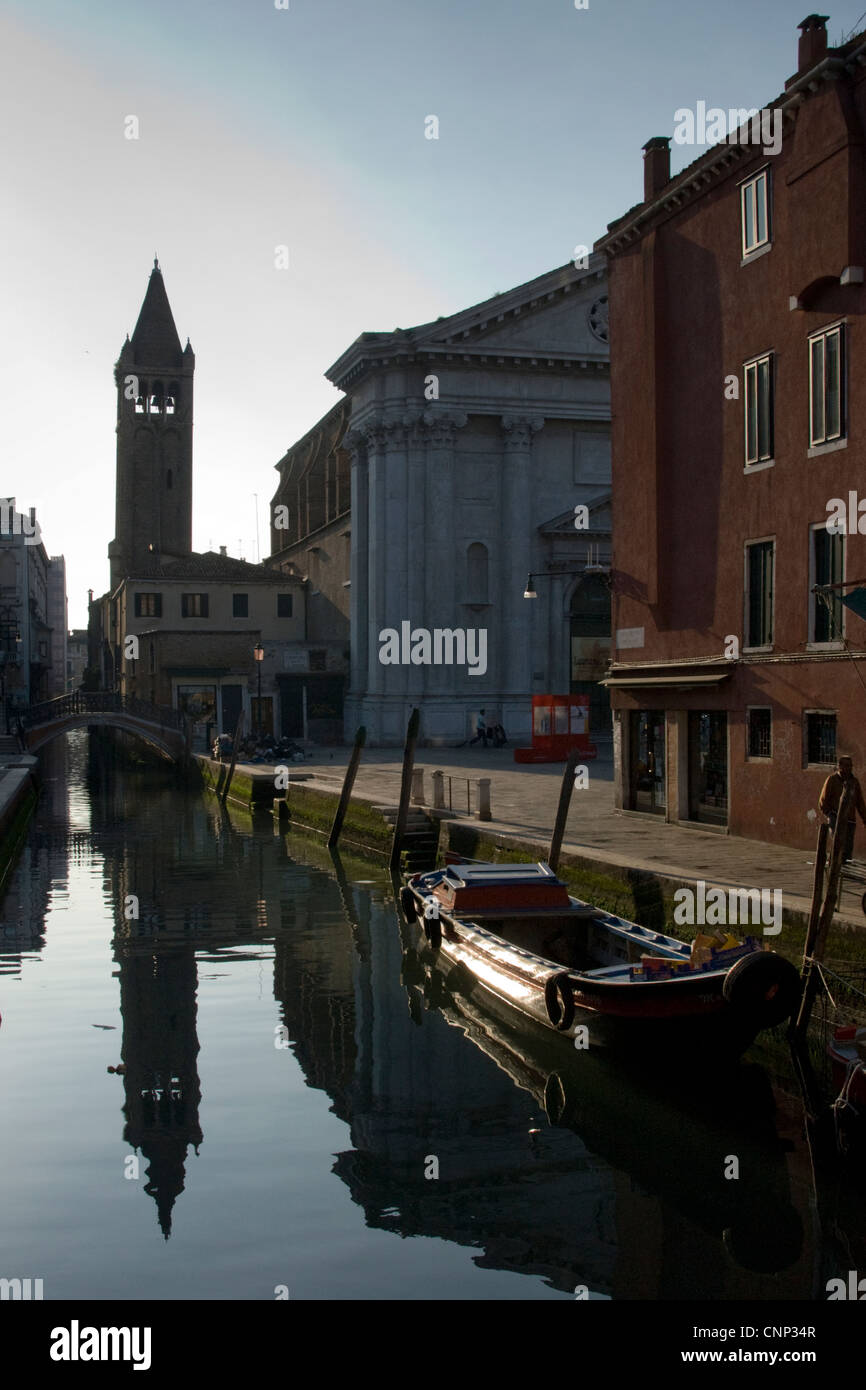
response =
{"points": [[101, 702], [482, 794]]}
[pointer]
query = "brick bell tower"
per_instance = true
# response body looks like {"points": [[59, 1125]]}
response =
{"points": [[154, 378]]}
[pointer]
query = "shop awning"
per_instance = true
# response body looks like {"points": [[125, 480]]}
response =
{"points": [[635, 680]]}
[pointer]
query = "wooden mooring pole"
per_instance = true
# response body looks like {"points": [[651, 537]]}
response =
{"points": [[348, 783], [562, 810], [237, 738], [813, 957], [405, 789]]}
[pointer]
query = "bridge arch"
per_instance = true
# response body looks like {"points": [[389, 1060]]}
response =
{"points": [[163, 729]]}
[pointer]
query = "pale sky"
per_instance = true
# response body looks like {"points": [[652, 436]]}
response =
{"points": [[260, 127]]}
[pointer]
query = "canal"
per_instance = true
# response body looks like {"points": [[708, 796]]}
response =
{"points": [[225, 1075]]}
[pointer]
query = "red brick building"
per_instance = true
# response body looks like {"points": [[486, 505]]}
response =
{"points": [[738, 384]]}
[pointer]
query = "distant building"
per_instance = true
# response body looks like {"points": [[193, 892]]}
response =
{"points": [[25, 631], [738, 398], [451, 470], [180, 628], [76, 658], [58, 622]]}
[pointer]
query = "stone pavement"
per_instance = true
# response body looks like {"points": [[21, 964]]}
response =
{"points": [[524, 799]]}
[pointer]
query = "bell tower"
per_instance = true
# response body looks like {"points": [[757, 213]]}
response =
{"points": [[154, 379]]}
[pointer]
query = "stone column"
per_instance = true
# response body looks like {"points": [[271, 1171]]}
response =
{"points": [[374, 435], [416, 523], [358, 640], [519, 626], [396, 679], [441, 599]]}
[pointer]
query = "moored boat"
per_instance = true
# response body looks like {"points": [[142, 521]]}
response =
{"points": [[518, 933]]}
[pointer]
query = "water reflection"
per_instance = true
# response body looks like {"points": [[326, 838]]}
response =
{"points": [[565, 1169]]}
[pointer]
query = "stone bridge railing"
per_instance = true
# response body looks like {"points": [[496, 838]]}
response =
{"points": [[83, 702]]}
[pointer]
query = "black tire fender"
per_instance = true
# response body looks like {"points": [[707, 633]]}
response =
{"points": [[407, 902], [433, 931], [559, 1000], [764, 987]]}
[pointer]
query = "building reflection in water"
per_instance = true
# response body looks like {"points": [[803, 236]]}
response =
{"points": [[580, 1178]]}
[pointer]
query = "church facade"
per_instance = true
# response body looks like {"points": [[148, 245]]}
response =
{"points": [[467, 454]]}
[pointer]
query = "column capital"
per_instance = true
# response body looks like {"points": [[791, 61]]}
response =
{"points": [[442, 426], [519, 429]]}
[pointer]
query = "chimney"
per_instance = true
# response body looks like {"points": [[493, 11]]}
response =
{"points": [[656, 166], [813, 41], [222, 550], [33, 517]]}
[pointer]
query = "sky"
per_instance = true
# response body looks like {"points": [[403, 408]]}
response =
{"points": [[304, 127]]}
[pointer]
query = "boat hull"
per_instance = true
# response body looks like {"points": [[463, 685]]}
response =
{"points": [[689, 1008]]}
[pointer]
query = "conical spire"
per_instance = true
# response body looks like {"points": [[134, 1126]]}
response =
{"points": [[154, 339]]}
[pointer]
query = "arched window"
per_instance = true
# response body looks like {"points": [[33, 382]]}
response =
{"points": [[476, 573], [171, 398], [168, 480], [141, 398], [156, 399]]}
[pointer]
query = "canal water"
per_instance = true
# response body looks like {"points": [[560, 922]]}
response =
{"points": [[225, 1075]]}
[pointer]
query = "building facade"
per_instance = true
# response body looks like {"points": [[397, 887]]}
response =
{"points": [[468, 445], [58, 620], [736, 303], [25, 629], [185, 634], [76, 659]]}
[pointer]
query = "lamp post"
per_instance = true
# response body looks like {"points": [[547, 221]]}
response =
{"points": [[259, 654]]}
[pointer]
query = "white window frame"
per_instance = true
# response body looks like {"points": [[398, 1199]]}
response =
{"points": [[747, 545], [750, 247], [820, 437], [838, 643], [750, 375]]}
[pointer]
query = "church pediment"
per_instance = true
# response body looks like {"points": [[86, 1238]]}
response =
{"points": [[599, 520], [560, 315]]}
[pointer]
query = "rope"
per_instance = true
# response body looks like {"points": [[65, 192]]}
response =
{"points": [[823, 969], [843, 1107]]}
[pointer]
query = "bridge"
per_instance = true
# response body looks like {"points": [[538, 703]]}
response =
{"points": [[163, 728]]}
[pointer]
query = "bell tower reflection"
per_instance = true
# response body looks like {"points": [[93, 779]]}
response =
{"points": [[160, 1059]]}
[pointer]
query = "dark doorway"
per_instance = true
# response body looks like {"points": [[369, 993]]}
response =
{"points": [[708, 767], [232, 697], [590, 648], [647, 761]]}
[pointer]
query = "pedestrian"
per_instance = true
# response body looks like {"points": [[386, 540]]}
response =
{"points": [[480, 730], [831, 795]]}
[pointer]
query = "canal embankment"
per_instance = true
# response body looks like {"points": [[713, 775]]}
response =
{"points": [[18, 797], [627, 864]]}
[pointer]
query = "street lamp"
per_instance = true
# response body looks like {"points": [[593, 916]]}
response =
{"points": [[590, 568], [259, 654]]}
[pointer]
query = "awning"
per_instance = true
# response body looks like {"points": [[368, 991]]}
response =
{"points": [[684, 679]]}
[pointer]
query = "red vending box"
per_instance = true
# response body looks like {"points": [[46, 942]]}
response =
{"points": [[560, 725]]}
